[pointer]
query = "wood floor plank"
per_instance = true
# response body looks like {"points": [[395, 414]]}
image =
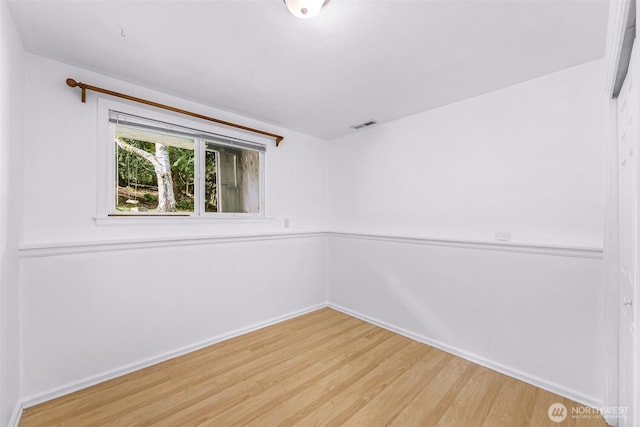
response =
{"points": [[245, 411], [352, 398], [321, 369], [433, 401], [472, 404], [330, 385], [387, 404], [515, 403]]}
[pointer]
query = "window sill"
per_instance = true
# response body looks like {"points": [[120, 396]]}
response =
{"points": [[179, 220]]}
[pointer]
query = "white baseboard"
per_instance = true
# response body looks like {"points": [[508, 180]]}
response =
{"points": [[96, 379], [611, 420], [14, 421], [506, 370], [88, 382]]}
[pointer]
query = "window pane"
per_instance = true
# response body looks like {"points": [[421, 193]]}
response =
{"points": [[232, 179], [155, 172], [211, 203]]}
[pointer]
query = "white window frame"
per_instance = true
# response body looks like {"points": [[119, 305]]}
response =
{"points": [[106, 167]]}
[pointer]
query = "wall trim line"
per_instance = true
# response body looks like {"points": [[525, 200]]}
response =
{"points": [[503, 369], [136, 366], [531, 248], [67, 248]]}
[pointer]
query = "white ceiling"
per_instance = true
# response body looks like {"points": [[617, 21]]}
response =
{"points": [[358, 60]]}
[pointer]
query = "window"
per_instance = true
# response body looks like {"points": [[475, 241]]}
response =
{"points": [[159, 168]]}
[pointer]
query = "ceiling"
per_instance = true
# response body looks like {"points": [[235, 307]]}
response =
{"points": [[358, 60]]}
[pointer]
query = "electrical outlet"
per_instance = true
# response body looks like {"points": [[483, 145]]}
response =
{"points": [[503, 236]]}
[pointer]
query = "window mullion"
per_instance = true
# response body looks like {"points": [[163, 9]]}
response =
{"points": [[112, 170], [199, 173]]}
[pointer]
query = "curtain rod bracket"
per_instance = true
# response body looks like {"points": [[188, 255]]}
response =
{"points": [[84, 87]]}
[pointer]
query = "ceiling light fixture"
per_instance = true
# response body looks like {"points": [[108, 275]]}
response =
{"points": [[305, 9]]}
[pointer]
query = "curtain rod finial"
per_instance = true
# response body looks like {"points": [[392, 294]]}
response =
{"points": [[72, 83]]}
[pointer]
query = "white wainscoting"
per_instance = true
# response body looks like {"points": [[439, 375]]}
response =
{"points": [[93, 312], [529, 311]]}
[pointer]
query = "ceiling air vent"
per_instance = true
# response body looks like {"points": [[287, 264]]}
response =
{"points": [[364, 125]]}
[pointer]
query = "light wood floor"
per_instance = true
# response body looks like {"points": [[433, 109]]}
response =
{"points": [[321, 369]]}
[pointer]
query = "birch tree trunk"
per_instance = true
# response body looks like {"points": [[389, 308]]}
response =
{"points": [[166, 197], [162, 168]]}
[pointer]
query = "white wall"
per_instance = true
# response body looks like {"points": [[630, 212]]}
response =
{"points": [[528, 159], [11, 126], [104, 308]]}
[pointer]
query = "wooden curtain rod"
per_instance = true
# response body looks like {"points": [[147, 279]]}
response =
{"points": [[85, 87]]}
